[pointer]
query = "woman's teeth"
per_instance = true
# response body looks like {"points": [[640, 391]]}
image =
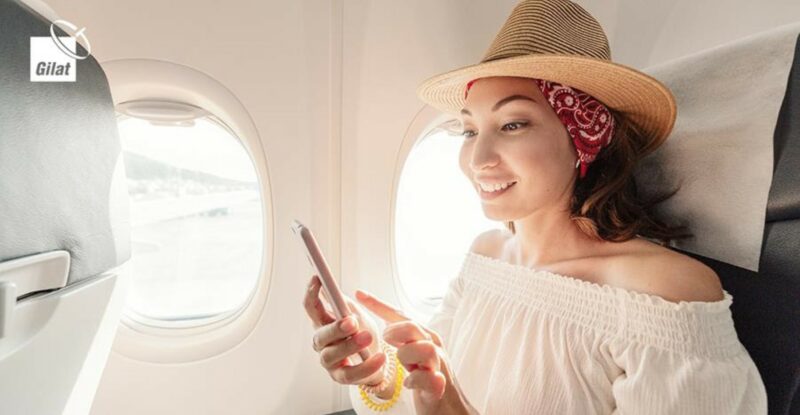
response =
{"points": [[494, 187]]}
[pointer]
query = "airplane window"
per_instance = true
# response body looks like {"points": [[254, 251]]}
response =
{"points": [[437, 215], [196, 218]]}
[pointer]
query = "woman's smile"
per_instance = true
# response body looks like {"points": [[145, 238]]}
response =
{"points": [[493, 194]]}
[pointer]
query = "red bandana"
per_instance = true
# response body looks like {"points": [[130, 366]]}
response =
{"points": [[588, 122]]}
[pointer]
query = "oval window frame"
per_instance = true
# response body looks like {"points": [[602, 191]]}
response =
{"points": [[148, 80], [132, 317], [424, 123]]}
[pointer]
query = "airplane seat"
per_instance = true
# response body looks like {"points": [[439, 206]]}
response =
{"points": [[64, 227], [766, 305]]}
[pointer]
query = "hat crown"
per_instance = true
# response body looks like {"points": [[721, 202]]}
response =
{"points": [[558, 27]]}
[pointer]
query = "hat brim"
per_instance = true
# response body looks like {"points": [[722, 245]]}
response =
{"points": [[643, 99]]}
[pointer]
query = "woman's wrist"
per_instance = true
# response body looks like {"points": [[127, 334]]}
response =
{"points": [[384, 387], [394, 386], [386, 394]]}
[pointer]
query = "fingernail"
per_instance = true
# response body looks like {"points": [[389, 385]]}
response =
{"points": [[426, 395], [347, 325]]}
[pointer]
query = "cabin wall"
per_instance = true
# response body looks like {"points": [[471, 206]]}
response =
{"points": [[330, 86]]}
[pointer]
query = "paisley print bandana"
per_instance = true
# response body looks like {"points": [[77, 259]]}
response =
{"points": [[588, 122]]}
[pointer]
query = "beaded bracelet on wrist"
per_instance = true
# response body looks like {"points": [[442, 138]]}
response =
{"points": [[389, 368], [398, 376]]}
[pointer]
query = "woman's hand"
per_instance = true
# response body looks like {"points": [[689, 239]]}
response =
{"points": [[420, 351], [335, 343]]}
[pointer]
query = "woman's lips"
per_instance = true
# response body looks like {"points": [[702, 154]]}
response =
{"points": [[493, 195]]}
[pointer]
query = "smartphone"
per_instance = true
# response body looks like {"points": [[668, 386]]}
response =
{"points": [[329, 286]]}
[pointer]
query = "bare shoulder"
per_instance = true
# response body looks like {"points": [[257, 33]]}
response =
{"points": [[668, 274], [489, 243]]}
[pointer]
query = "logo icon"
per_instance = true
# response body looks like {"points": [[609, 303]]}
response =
{"points": [[76, 34], [53, 58]]}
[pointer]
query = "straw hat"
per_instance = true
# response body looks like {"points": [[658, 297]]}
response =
{"points": [[557, 40]]}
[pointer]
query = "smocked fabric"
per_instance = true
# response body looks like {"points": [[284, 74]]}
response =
{"points": [[530, 341]]}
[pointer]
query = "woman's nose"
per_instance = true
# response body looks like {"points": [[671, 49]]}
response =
{"points": [[484, 155]]}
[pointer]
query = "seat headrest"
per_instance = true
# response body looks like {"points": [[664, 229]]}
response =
{"points": [[62, 180], [720, 152]]}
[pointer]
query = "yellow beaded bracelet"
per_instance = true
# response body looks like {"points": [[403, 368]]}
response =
{"points": [[398, 387]]}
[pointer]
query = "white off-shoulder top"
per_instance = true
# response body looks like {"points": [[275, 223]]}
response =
{"points": [[526, 341]]}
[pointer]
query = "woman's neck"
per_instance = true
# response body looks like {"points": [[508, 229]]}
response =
{"points": [[548, 237]]}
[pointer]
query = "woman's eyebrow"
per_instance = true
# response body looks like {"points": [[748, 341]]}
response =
{"points": [[502, 102]]}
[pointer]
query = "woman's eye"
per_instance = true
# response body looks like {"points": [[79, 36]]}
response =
{"points": [[517, 124]]}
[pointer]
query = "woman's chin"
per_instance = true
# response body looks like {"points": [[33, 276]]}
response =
{"points": [[499, 215]]}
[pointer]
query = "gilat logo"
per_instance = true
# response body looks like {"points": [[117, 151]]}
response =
{"points": [[53, 58]]}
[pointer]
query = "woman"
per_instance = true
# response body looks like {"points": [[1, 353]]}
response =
{"points": [[572, 310]]}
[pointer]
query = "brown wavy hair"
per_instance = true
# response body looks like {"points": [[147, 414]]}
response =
{"points": [[606, 203]]}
